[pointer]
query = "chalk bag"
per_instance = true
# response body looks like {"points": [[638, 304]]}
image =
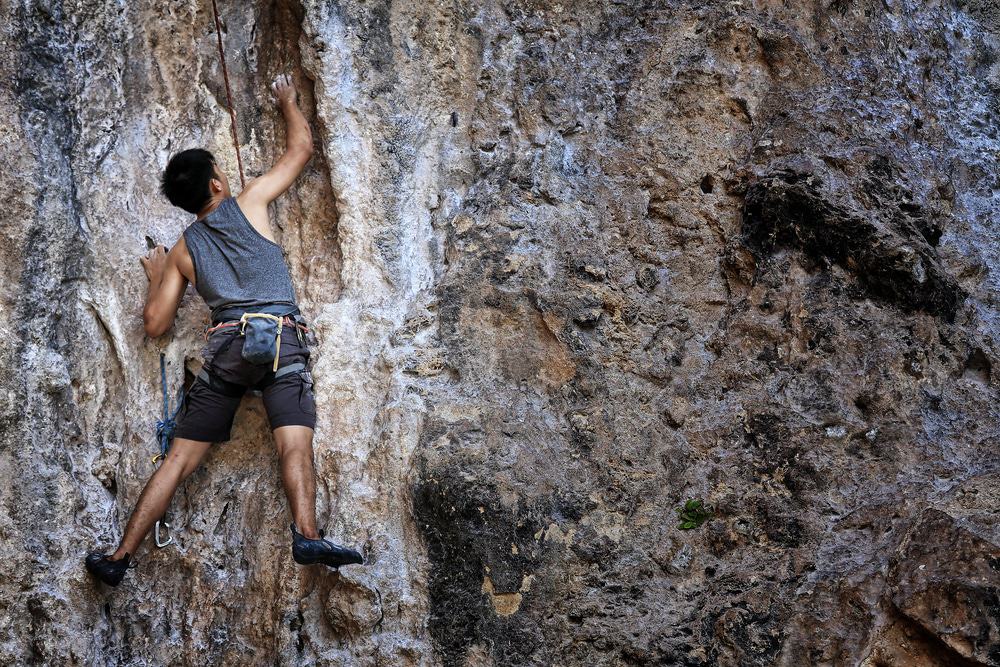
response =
{"points": [[262, 338]]}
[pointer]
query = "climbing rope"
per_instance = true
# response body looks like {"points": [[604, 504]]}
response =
{"points": [[229, 94], [165, 427], [164, 434]]}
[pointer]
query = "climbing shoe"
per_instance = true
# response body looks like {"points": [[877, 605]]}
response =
{"points": [[109, 571], [325, 552]]}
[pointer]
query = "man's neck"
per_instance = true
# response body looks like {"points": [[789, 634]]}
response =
{"points": [[212, 204]]}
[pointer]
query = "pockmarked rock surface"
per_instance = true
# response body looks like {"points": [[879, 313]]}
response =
{"points": [[570, 265]]}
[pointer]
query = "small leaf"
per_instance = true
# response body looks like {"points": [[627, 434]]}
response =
{"points": [[693, 513]]}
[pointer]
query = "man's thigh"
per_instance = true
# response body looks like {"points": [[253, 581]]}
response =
{"points": [[289, 400], [206, 414]]}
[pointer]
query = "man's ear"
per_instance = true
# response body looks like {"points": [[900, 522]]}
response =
{"points": [[215, 185]]}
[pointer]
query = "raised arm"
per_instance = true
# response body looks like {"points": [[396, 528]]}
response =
{"points": [[259, 192]]}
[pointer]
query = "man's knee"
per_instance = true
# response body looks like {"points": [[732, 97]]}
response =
{"points": [[177, 468], [184, 459], [293, 440], [295, 448]]}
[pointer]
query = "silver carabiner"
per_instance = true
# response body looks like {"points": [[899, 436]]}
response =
{"points": [[156, 534]]}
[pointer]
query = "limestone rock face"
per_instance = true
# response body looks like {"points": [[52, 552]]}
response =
{"points": [[570, 266]]}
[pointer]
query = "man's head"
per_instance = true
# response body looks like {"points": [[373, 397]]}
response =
{"points": [[192, 178]]}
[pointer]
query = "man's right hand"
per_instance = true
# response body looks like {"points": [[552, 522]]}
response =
{"points": [[166, 287], [284, 90], [154, 263]]}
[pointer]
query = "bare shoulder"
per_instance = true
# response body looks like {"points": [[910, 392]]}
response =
{"points": [[180, 257], [254, 209]]}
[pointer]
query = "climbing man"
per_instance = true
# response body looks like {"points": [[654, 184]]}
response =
{"points": [[256, 339]]}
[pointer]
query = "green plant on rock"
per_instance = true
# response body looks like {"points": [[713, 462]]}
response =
{"points": [[693, 514]]}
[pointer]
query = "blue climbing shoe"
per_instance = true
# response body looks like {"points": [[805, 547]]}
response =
{"points": [[307, 552], [109, 571]]}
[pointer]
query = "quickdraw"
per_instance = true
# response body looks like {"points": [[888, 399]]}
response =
{"points": [[164, 434]]}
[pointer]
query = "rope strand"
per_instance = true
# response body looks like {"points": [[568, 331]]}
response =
{"points": [[229, 94]]}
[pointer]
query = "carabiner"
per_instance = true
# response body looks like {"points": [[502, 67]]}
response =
{"points": [[156, 534]]}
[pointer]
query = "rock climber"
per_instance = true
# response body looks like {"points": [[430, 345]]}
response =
{"points": [[229, 254]]}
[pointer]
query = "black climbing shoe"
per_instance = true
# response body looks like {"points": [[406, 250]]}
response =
{"points": [[307, 552], [110, 572]]}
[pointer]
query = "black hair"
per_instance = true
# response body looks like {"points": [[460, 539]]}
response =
{"points": [[185, 180]]}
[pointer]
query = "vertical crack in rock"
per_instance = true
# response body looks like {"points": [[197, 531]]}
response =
{"points": [[307, 214]]}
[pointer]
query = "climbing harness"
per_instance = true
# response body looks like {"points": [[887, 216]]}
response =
{"points": [[229, 94], [164, 434], [264, 341], [288, 322], [262, 334]]}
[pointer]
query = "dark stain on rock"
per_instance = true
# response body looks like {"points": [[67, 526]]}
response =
{"points": [[472, 537], [888, 249]]}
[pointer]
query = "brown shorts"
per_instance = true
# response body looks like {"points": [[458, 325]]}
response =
{"points": [[207, 414]]}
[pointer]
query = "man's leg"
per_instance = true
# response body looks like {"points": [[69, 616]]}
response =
{"points": [[182, 459], [291, 411], [298, 475]]}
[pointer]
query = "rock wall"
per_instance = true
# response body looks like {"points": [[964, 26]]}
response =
{"points": [[570, 266]]}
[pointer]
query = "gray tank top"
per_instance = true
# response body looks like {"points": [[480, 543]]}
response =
{"points": [[235, 266]]}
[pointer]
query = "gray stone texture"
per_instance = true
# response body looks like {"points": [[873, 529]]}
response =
{"points": [[570, 264]]}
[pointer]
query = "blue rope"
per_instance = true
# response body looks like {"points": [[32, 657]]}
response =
{"points": [[165, 427]]}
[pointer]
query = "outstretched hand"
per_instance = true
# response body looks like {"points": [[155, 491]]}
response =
{"points": [[283, 90], [264, 189]]}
